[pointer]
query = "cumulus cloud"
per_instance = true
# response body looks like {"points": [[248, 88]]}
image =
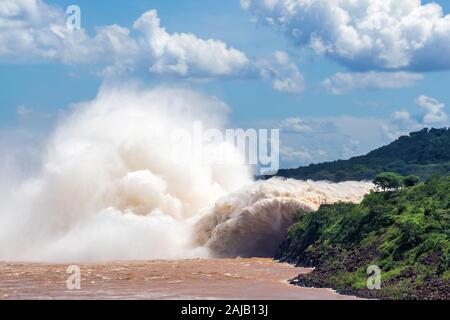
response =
{"points": [[342, 83], [331, 138], [401, 124], [180, 52], [288, 77], [295, 155], [29, 26], [402, 115], [31, 29], [315, 139], [364, 34], [433, 110], [295, 125], [284, 74], [431, 114]]}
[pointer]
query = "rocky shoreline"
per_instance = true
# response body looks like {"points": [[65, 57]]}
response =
{"points": [[331, 266], [403, 235], [435, 289]]}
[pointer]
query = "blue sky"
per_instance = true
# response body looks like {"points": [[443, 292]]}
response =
{"points": [[318, 123]]}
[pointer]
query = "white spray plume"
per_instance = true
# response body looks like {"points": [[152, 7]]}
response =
{"points": [[110, 188], [253, 221]]}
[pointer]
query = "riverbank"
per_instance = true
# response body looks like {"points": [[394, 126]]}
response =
{"points": [[340, 275], [397, 239], [436, 289], [345, 271]]}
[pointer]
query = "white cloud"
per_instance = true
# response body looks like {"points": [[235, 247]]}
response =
{"points": [[351, 149], [183, 53], [402, 123], [433, 110], [327, 138], [245, 4], [284, 74], [295, 125], [331, 138], [27, 26], [432, 114], [31, 29], [295, 155], [322, 153], [23, 110], [402, 115], [342, 83], [364, 34]]}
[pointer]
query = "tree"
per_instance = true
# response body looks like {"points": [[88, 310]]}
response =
{"points": [[411, 181], [388, 181], [440, 215]]}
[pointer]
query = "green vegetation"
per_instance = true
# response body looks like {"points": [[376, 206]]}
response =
{"points": [[389, 181], [404, 231], [421, 154], [411, 181]]}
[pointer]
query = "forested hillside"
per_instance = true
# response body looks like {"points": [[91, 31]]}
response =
{"points": [[421, 153], [404, 231]]}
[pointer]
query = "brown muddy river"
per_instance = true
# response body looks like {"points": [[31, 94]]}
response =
{"points": [[255, 279]]}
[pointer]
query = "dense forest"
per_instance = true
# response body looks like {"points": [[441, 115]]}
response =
{"points": [[420, 153], [402, 228]]}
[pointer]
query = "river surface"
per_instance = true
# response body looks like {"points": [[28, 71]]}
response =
{"points": [[255, 279]]}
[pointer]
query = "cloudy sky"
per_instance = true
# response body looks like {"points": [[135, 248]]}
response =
{"points": [[338, 77]]}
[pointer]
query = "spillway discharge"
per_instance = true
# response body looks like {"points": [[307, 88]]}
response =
{"points": [[111, 187]]}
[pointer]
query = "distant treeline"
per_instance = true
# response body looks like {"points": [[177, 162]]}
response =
{"points": [[421, 153]]}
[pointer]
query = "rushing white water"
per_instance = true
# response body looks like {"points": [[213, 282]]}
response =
{"points": [[253, 221], [111, 188]]}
